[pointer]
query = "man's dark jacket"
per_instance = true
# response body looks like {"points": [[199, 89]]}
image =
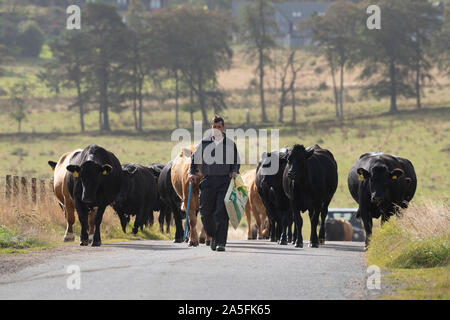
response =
{"points": [[227, 157]]}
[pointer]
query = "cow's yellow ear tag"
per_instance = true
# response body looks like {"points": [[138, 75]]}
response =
{"points": [[105, 172], [181, 153], [75, 174], [394, 177], [361, 177]]}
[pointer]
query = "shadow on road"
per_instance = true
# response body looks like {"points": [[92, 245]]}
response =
{"points": [[138, 246], [339, 247]]}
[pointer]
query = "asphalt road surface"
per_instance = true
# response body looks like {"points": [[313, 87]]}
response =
{"points": [[164, 270]]}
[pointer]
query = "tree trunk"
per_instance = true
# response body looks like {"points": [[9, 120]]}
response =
{"points": [[177, 123], [261, 86], [140, 83], [104, 97], [293, 105], [392, 75], [336, 95], [136, 126], [81, 105], [191, 100], [341, 94], [419, 104]]}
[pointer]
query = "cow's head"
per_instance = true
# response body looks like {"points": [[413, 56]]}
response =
{"points": [[380, 181], [297, 162], [90, 175]]}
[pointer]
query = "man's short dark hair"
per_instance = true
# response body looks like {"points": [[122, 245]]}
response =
{"points": [[217, 119]]}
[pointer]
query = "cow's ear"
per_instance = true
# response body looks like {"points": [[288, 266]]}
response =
{"points": [[74, 169], [363, 174], [396, 173], [131, 170], [52, 164], [309, 154], [106, 169]]}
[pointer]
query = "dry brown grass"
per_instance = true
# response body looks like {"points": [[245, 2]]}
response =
{"points": [[426, 219], [45, 220]]}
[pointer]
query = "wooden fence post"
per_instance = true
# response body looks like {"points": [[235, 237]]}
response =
{"points": [[8, 187], [42, 190], [33, 190], [15, 186], [24, 188]]}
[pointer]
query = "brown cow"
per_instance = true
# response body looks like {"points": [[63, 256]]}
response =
{"points": [[62, 194], [179, 176], [338, 230], [254, 205]]}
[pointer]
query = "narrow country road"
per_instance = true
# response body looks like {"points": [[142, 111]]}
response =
{"points": [[164, 270]]}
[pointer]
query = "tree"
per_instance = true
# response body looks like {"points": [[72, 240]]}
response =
{"points": [[18, 109], [30, 40], [386, 53], [70, 66], [195, 42], [139, 56], [257, 29], [290, 68], [441, 44], [425, 21], [336, 31], [106, 36]]}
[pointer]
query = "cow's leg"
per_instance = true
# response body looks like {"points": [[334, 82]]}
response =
{"points": [[258, 223], [285, 228], [91, 222], [248, 215], [193, 238], [168, 218], [202, 238], [70, 219], [314, 217], [179, 231], [141, 219], [298, 220], [83, 214], [294, 238], [98, 221], [323, 217], [272, 228], [367, 221], [161, 218]]}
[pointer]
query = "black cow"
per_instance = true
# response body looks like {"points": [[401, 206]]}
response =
{"points": [[138, 196], [270, 189], [94, 178], [170, 198], [309, 181], [165, 213], [380, 183]]}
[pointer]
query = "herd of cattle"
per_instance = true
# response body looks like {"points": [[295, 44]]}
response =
{"points": [[88, 180]]}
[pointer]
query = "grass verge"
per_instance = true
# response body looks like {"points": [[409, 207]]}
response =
{"points": [[414, 249]]}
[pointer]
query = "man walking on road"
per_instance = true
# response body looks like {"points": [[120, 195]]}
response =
{"points": [[219, 161]]}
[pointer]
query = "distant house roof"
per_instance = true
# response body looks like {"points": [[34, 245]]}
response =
{"points": [[287, 16], [293, 11], [298, 11]]}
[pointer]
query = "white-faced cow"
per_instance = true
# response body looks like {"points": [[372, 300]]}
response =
{"points": [[380, 183], [94, 179], [310, 180]]}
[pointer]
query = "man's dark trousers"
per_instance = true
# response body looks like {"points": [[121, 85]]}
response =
{"points": [[212, 207]]}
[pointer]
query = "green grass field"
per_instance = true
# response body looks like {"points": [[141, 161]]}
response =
{"points": [[419, 135]]}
